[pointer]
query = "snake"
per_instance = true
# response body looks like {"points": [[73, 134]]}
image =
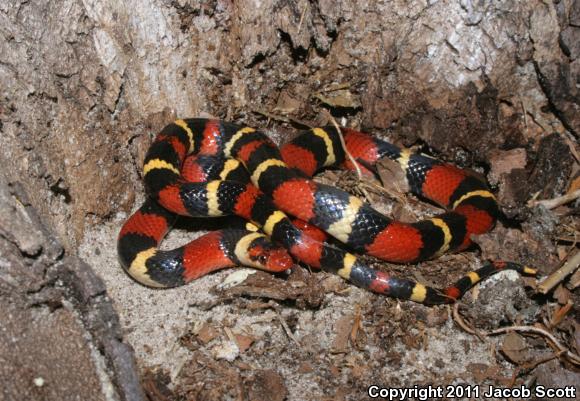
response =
{"points": [[208, 168]]}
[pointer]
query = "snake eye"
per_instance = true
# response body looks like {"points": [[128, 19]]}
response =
{"points": [[262, 259]]}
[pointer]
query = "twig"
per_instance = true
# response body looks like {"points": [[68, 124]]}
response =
{"points": [[278, 117], [567, 239], [571, 146], [386, 192], [333, 88], [525, 112], [302, 19], [275, 117], [356, 325], [555, 278], [230, 335], [346, 152], [532, 365], [352, 159], [562, 350], [538, 123], [555, 202], [286, 328], [560, 314], [463, 324]]}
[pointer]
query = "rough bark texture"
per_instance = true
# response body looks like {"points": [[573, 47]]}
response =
{"points": [[82, 80], [85, 84], [60, 337]]}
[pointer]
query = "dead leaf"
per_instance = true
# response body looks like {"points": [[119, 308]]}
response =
{"points": [[392, 176], [342, 327], [266, 385], [562, 252], [562, 295], [244, 342], [479, 371], [286, 104], [339, 98], [514, 348]]}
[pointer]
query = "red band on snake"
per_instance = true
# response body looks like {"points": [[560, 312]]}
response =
{"points": [[199, 167]]}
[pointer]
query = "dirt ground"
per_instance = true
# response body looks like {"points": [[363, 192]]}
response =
{"points": [[85, 85], [323, 339]]}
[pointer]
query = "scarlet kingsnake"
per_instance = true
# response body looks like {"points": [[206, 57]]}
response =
{"points": [[200, 167]]}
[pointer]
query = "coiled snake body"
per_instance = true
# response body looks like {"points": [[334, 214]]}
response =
{"points": [[201, 167]]}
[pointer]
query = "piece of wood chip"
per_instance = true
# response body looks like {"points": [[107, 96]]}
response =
{"points": [[206, 333]]}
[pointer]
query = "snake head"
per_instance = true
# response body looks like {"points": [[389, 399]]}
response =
{"points": [[265, 255]]}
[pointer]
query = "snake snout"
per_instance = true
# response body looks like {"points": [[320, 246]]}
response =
{"points": [[279, 260]]}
